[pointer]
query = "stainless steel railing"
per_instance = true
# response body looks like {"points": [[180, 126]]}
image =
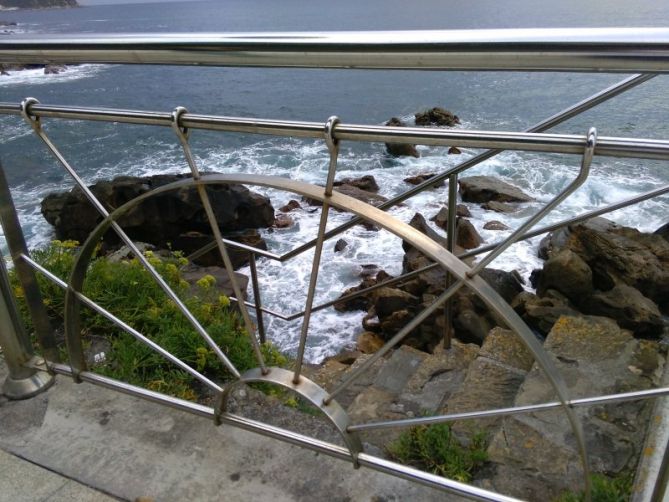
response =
{"points": [[611, 50]]}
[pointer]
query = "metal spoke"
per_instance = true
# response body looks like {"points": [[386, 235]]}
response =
{"points": [[124, 326], [182, 134], [397, 338], [333, 148], [591, 142], [556, 119], [77, 358], [515, 410]]}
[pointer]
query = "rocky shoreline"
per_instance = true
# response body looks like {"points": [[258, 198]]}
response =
{"points": [[599, 305]]}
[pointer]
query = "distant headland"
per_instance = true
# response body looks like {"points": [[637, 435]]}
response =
{"points": [[36, 4]]}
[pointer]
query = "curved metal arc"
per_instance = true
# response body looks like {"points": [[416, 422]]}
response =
{"points": [[459, 269], [124, 326], [420, 241], [306, 389], [182, 134], [75, 349]]}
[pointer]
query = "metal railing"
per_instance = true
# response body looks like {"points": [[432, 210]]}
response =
{"points": [[610, 50]]}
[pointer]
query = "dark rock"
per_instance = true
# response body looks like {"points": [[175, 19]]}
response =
{"points": [[466, 235], [454, 150], [53, 69], [158, 220], [487, 188], [291, 206], [663, 231], [499, 207], [389, 300], [437, 116], [495, 225], [190, 242], [340, 245], [367, 183], [619, 254], [507, 284], [541, 314], [400, 149], [422, 178], [569, 274], [629, 308], [441, 218]]}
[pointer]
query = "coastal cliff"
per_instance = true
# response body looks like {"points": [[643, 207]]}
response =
{"points": [[38, 4]]}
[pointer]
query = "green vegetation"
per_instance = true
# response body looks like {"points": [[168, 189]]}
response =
{"points": [[433, 448], [604, 489], [128, 291]]}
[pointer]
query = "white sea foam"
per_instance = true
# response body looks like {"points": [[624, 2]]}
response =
{"points": [[37, 77], [284, 285]]}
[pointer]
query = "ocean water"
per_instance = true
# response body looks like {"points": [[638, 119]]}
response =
{"points": [[491, 101]]}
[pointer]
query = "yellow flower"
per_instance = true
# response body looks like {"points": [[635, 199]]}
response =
{"points": [[224, 301], [207, 281]]}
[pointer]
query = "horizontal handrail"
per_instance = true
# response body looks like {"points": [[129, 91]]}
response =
{"points": [[559, 49], [536, 142]]}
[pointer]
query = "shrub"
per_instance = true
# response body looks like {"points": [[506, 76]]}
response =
{"points": [[128, 291], [604, 489], [433, 448]]}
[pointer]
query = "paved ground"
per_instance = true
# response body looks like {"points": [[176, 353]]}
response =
{"points": [[130, 448], [22, 481]]}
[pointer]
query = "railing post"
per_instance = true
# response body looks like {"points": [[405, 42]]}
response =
{"points": [[26, 275], [23, 381]]}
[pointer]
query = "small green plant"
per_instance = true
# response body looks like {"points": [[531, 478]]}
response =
{"points": [[433, 448], [604, 489], [128, 291]]}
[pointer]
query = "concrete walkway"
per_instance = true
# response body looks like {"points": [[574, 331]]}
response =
{"points": [[22, 481], [129, 448]]}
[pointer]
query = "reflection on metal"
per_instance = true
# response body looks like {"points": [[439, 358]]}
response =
{"points": [[306, 389], [645, 50], [558, 49], [23, 380], [333, 149]]}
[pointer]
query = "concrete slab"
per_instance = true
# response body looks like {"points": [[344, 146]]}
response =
{"points": [[130, 448], [22, 481]]}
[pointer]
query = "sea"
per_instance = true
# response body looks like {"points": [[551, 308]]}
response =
{"points": [[486, 101]]}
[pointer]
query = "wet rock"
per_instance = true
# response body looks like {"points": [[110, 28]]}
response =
{"points": [[507, 284], [367, 183], [454, 150], [52, 69], [422, 178], [499, 207], [400, 149], [495, 225], [487, 188], [467, 237], [291, 206], [283, 221], [340, 245], [437, 116], [441, 218]]}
